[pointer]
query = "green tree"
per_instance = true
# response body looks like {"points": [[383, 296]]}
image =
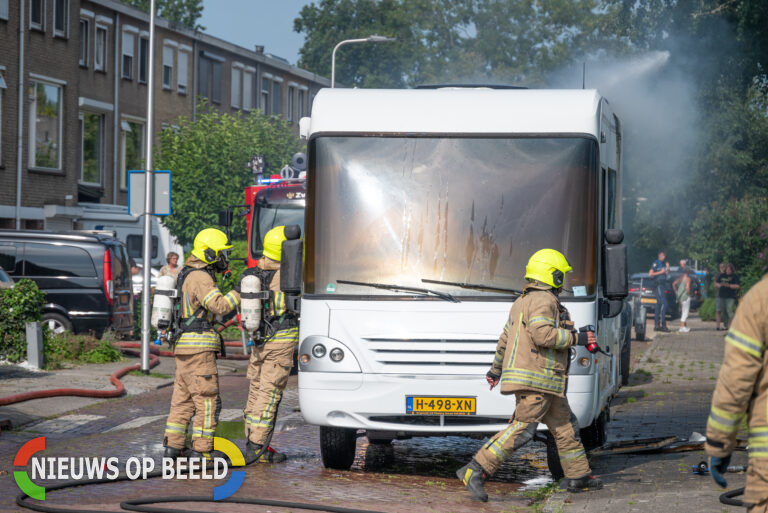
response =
{"points": [[208, 158], [186, 12], [450, 40]]}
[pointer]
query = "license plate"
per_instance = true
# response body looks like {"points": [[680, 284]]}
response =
{"points": [[430, 405], [648, 300]]}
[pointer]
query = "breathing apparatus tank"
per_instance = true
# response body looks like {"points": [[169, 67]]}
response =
{"points": [[162, 304], [250, 303]]}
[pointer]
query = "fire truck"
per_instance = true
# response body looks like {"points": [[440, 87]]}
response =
{"points": [[275, 201]]}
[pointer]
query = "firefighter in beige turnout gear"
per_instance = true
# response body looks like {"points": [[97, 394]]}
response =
{"points": [[196, 386], [531, 359], [741, 396], [272, 359]]}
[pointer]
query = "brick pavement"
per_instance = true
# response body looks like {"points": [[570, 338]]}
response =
{"points": [[669, 394]]}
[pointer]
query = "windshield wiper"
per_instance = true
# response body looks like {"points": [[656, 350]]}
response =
{"points": [[396, 288], [476, 286]]}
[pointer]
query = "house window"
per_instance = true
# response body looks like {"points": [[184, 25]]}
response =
{"points": [[143, 59], [45, 126], [84, 43], [277, 100], [129, 42], [210, 79], [91, 143], [60, 15], [247, 90], [216, 82], [100, 53], [237, 75], [264, 103], [183, 71], [301, 103], [3, 9], [167, 67], [291, 94], [131, 148], [36, 14]]}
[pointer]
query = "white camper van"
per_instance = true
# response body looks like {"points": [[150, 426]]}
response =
{"points": [[130, 230], [457, 186]]}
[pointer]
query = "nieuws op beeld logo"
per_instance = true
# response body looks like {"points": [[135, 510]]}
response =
{"points": [[63, 468]]}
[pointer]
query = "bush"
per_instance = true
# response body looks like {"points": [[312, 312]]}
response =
{"points": [[707, 309], [69, 348], [21, 304]]}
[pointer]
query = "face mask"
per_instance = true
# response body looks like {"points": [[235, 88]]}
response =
{"points": [[222, 263]]}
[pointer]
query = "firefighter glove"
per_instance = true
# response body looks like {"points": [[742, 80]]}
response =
{"points": [[492, 379], [718, 467]]}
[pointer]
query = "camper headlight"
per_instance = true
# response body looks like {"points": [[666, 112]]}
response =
{"points": [[336, 354], [318, 351]]}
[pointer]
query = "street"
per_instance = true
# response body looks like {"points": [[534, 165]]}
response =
{"points": [[669, 393]]}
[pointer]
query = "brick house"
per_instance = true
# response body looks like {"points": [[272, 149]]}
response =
{"points": [[82, 68]]}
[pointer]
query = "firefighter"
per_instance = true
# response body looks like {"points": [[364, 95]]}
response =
{"points": [[741, 395], [196, 386], [531, 359], [272, 355]]}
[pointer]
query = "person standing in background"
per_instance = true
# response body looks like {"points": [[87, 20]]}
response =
{"points": [[171, 268], [682, 288], [727, 284], [659, 273], [718, 298]]}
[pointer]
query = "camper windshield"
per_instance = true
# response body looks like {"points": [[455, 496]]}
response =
{"points": [[456, 209]]}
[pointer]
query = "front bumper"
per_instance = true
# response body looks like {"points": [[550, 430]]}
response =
{"points": [[376, 402]]}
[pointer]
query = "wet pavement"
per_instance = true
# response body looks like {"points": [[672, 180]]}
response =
{"points": [[669, 395], [415, 474]]}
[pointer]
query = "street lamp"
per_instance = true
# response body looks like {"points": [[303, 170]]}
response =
{"points": [[370, 39]]}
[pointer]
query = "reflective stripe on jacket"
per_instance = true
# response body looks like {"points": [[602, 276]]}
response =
{"points": [[741, 393], [532, 351], [199, 289]]}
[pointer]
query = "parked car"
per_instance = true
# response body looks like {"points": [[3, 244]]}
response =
{"points": [[86, 278], [6, 282], [640, 284]]}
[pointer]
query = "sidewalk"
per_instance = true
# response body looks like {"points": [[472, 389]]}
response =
{"points": [[669, 394], [15, 379]]}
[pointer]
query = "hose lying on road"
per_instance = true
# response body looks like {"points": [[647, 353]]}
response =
{"points": [[727, 498], [159, 352], [83, 392]]}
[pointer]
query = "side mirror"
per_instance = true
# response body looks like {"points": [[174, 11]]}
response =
{"points": [[225, 217], [614, 265]]}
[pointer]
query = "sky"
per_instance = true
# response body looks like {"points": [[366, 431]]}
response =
{"points": [[256, 22]]}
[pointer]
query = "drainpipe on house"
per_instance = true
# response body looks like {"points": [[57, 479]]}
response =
{"points": [[195, 64], [20, 135], [116, 110]]}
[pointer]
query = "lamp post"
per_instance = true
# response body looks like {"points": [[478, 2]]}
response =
{"points": [[370, 39]]}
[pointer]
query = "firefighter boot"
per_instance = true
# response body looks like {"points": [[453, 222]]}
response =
{"points": [[584, 484], [473, 477], [208, 457], [172, 452], [268, 455]]}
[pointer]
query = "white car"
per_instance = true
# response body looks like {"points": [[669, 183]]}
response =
{"points": [[138, 280]]}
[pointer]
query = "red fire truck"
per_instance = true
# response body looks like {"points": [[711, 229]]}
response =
{"points": [[275, 201]]}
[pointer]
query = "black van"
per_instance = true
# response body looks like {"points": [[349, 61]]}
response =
{"points": [[85, 276]]}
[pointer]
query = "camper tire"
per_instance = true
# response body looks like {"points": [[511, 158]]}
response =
{"points": [[594, 435], [553, 459], [337, 447]]}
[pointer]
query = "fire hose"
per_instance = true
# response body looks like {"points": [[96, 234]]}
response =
{"points": [[106, 394], [114, 378]]}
